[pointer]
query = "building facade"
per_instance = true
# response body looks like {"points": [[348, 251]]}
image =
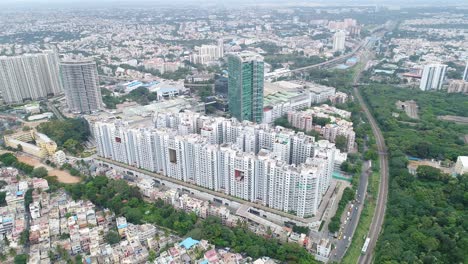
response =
{"points": [[81, 84], [245, 86], [433, 77], [29, 77]]}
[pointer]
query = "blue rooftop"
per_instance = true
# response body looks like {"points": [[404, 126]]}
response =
{"points": [[204, 262], [150, 84], [136, 83], [18, 193], [188, 243]]}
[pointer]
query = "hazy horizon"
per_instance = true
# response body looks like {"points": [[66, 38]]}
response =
{"points": [[130, 3]]}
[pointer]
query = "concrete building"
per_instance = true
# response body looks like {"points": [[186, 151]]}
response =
{"points": [[43, 147], [320, 93], [29, 77], [458, 86], [432, 77], [245, 86], [339, 39], [461, 167], [81, 84]]}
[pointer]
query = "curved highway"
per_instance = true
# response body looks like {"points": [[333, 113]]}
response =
{"points": [[379, 214]]}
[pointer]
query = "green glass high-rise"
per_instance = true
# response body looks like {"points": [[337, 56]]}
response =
{"points": [[245, 86]]}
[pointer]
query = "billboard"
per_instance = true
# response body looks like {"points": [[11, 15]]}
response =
{"points": [[239, 175]]}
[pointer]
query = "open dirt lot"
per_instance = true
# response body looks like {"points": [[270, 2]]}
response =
{"points": [[62, 176]]}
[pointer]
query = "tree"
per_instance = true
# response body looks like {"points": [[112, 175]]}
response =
{"points": [[429, 173], [21, 259], [72, 145], [370, 154], [24, 237], [112, 237], [40, 172], [19, 147], [341, 143], [2, 198], [321, 121], [8, 159], [152, 256]]}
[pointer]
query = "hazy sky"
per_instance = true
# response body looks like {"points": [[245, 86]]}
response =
{"points": [[136, 3]]}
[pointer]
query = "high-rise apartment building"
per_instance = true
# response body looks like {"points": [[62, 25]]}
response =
{"points": [[275, 167], [29, 77], [339, 39], [81, 85], [465, 73], [245, 86], [433, 77]]}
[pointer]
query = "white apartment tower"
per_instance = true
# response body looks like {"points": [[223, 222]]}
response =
{"points": [[29, 77], [339, 39], [465, 73], [433, 77], [81, 85]]}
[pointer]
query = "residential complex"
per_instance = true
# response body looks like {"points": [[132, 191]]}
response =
{"points": [[208, 53], [272, 166], [246, 77], [29, 77], [81, 85], [304, 120], [433, 77]]}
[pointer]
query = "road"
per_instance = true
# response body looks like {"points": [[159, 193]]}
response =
{"points": [[55, 110], [348, 229], [349, 224], [379, 214]]}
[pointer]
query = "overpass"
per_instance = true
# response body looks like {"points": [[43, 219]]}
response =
{"points": [[324, 64]]}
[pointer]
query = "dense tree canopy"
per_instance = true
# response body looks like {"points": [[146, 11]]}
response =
{"points": [[426, 214], [69, 133]]}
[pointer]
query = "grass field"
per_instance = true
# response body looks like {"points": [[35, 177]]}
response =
{"points": [[354, 250]]}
